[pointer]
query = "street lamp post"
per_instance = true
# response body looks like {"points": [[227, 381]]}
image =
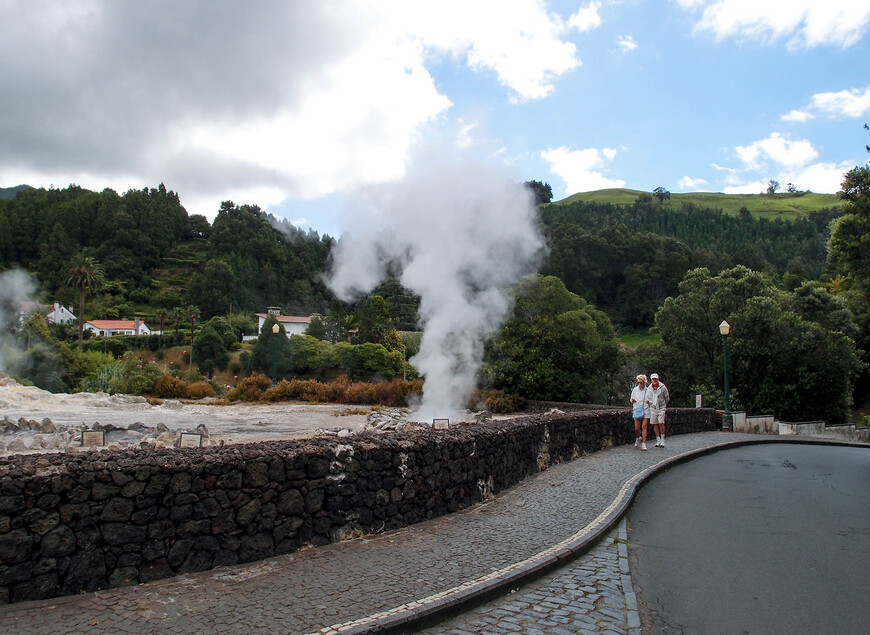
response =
{"points": [[275, 330], [725, 329]]}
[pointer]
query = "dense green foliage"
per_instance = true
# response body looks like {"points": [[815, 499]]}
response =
{"points": [[554, 347], [792, 354], [626, 259]]}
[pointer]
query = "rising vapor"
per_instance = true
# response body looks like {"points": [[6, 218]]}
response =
{"points": [[461, 233]]}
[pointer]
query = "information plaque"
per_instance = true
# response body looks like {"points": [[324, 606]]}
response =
{"points": [[441, 424], [697, 401], [93, 438], [190, 440]]}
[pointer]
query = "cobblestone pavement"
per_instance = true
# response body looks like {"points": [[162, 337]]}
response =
{"points": [[356, 583], [592, 595]]}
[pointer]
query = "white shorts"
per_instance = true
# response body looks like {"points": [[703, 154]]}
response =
{"points": [[656, 416]]}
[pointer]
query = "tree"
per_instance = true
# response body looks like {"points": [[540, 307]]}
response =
{"points": [[791, 188], [209, 351], [373, 319], [192, 314], [555, 347], [211, 289], [661, 194], [791, 354], [542, 192], [772, 187], [84, 274], [270, 347], [849, 259], [316, 328]]}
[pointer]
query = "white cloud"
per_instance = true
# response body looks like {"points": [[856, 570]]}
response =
{"points": [[272, 101], [778, 149], [586, 18], [801, 23], [581, 170], [463, 136], [626, 43], [800, 116], [818, 177], [755, 187], [688, 183], [845, 103]]}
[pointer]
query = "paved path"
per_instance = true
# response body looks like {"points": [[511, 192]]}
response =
{"points": [[758, 539], [389, 580], [593, 594]]}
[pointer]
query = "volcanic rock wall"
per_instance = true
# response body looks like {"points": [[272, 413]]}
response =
{"points": [[71, 523]]}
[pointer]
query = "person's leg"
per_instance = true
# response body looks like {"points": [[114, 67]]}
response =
{"points": [[662, 431], [645, 426], [637, 433]]}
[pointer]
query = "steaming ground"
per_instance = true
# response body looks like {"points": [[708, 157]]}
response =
{"points": [[232, 424]]}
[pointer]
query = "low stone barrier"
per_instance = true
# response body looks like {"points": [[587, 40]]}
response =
{"points": [[71, 523]]}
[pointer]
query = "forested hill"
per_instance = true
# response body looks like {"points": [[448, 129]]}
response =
{"points": [[624, 258], [628, 258], [156, 256]]}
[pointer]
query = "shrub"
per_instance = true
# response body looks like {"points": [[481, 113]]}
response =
{"points": [[200, 389], [251, 388], [169, 387], [501, 402]]}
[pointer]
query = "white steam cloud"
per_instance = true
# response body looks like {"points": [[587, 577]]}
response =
{"points": [[16, 289], [461, 234]]}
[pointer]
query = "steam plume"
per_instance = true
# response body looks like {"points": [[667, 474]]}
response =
{"points": [[461, 233], [16, 288]]}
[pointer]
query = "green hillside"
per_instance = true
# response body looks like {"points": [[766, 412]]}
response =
{"points": [[786, 206]]}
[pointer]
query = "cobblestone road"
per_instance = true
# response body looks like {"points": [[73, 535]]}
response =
{"points": [[592, 595], [320, 589]]}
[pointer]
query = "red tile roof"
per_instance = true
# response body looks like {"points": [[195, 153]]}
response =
{"points": [[115, 325], [294, 319]]}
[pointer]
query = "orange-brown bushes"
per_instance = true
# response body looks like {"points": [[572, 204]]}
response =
{"points": [[199, 390]]}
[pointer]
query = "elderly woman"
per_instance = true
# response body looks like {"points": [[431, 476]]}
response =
{"points": [[640, 411]]}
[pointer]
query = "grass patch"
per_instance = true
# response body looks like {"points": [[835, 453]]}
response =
{"points": [[783, 205], [633, 340]]}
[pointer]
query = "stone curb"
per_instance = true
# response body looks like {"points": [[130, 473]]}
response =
{"points": [[413, 616]]}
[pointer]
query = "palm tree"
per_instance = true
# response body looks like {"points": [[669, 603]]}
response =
{"points": [[84, 274], [192, 313], [161, 315]]}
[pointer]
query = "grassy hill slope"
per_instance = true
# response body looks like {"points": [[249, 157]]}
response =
{"points": [[786, 206]]}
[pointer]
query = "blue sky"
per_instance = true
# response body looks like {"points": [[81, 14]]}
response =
{"points": [[297, 106]]}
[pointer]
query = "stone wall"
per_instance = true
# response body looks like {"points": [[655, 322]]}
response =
{"points": [[71, 523]]}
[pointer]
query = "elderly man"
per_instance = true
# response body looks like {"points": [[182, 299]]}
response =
{"points": [[657, 397]]}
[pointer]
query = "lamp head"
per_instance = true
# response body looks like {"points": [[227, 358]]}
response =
{"points": [[275, 328], [724, 328]]}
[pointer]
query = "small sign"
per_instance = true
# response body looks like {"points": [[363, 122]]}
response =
{"points": [[190, 440], [697, 401], [93, 438], [441, 424]]}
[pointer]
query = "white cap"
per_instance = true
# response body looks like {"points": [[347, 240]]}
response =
{"points": [[654, 376]]}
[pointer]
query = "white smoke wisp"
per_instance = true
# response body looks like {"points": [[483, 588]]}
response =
{"points": [[16, 289], [461, 234]]}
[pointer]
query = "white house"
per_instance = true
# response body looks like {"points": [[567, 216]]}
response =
{"points": [[56, 314], [118, 327], [293, 324]]}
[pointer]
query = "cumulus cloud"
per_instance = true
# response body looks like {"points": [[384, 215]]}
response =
{"points": [[852, 102], [586, 18], [800, 23], [844, 103], [688, 183], [785, 160], [778, 149], [626, 43], [582, 170], [274, 100], [800, 116]]}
